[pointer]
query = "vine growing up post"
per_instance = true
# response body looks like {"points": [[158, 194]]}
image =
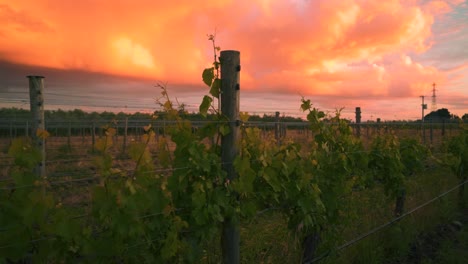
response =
{"points": [[211, 78]]}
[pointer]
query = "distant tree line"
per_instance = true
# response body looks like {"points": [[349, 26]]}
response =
{"points": [[444, 114], [78, 114], [440, 115]]}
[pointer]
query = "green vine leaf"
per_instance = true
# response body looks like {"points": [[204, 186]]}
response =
{"points": [[216, 88], [224, 129], [205, 105], [208, 76], [306, 105]]}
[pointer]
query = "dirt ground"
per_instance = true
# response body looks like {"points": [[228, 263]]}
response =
{"points": [[446, 243]]}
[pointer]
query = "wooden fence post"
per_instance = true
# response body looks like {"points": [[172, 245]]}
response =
{"points": [[277, 128], [36, 101], [230, 68], [284, 129], [124, 146], [443, 127], [377, 126], [400, 202], [69, 136], [11, 131], [431, 128], [358, 121], [93, 135]]}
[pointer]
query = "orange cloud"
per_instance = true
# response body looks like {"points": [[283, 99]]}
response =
{"points": [[324, 47]]}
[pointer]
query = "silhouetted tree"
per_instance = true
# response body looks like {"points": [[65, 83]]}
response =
{"points": [[440, 114]]}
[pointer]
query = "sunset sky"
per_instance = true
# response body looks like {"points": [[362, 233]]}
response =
{"points": [[379, 55]]}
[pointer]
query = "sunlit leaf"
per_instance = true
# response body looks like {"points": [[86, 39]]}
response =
{"points": [[42, 133], [110, 131], [130, 186], [167, 105], [244, 116], [146, 128]]}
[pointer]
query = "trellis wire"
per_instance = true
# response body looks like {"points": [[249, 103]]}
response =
{"points": [[378, 228]]}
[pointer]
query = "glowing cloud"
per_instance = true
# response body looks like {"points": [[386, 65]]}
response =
{"points": [[324, 47], [134, 53]]}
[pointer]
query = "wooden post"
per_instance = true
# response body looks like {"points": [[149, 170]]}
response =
{"points": [[230, 68], [277, 128], [443, 127], [377, 127], [461, 190], [93, 135], [423, 132], [36, 87], [284, 129], [400, 202], [124, 146], [431, 129], [26, 132], [310, 245], [11, 131], [358, 121], [69, 136]]}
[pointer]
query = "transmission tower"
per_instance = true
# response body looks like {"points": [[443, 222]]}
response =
{"points": [[434, 103]]}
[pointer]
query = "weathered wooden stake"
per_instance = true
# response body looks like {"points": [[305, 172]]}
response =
{"points": [[124, 146], [277, 128], [11, 131], [230, 68], [36, 99], [431, 128], [400, 202], [358, 121], [443, 127], [69, 136], [93, 136]]}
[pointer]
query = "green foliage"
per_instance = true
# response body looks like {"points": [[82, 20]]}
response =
{"points": [[337, 160], [413, 155], [274, 177], [155, 215], [25, 154], [208, 76], [215, 89], [211, 78], [205, 105], [457, 149], [386, 164]]}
